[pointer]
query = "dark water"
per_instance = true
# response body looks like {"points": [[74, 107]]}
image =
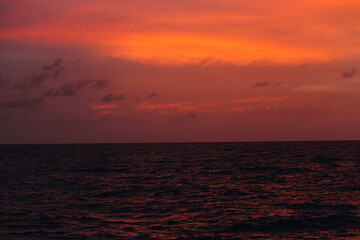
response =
{"points": [[294, 190]]}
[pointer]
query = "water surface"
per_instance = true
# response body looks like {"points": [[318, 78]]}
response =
{"points": [[279, 190]]}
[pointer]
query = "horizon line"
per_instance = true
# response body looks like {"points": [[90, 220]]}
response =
{"points": [[181, 142]]}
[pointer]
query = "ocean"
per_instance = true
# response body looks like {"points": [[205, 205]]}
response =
{"points": [[268, 190]]}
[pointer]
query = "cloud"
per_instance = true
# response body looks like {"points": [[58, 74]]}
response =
{"points": [[349, 73], [260, 84], [266, 84], [277, 84], [334, 88], [71, 89], [260, 99], [114, 97], [20, 102], [301, 66], [153, 95], [178, 106], [106, 106], [98, 84], [48, 72], [182, 107]]}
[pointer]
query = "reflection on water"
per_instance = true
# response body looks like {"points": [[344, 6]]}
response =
{"points": [[291, 190]]}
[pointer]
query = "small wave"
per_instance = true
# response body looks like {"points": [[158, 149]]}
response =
{"points": [[98, 170], [331, 222], [317, 207]]}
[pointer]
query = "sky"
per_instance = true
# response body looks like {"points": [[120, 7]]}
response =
{"points": [[88, 71]]}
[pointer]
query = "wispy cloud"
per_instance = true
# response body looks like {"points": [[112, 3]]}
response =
{"points": [[20, 102], [106, 106], [114, 97], [261, 84], [260, 99], [153, 95], [335, 88], [167, 108], [48, 72], [301, 66], [181, 106], [349, 73], [266, 84], [71, 89]]}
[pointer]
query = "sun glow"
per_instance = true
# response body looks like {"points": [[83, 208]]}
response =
{"points": [[188, 49]]}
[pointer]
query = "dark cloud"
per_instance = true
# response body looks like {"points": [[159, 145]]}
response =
{"points": [[301, 66], [349, 73], [71, 89], [114, 97], [48, 72], [266, 84], [153, 95], [99, 84], [261, 84], [277, 84], [20, 102], [3, 83]]}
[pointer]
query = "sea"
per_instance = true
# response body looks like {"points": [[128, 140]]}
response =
{"points": [[257, 190]]}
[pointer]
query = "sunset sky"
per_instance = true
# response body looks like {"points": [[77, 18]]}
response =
{"points": [[86, 71]]}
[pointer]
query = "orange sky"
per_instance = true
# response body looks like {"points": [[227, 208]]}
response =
{"points": [[178, 32], [180, 70]]}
